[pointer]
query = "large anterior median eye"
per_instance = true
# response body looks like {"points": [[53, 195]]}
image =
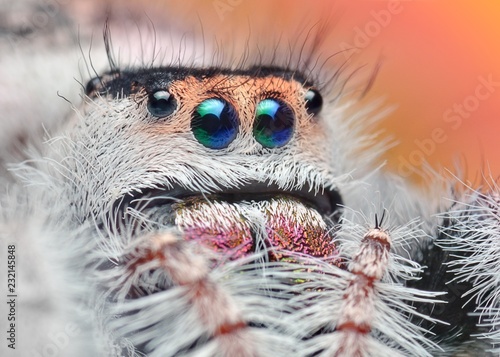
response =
{"points": [[161, 104], [215, 123], [274, 122]]}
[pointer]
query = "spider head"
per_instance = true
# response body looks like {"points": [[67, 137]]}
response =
{"points": [[238, 158]]}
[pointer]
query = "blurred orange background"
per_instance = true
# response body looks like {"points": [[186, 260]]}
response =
{"points": [[440, 65]]}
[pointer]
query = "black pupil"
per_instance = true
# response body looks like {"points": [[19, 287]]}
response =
{"points": [[314, 101], [161, 104]]}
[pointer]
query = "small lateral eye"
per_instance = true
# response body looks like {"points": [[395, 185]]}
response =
{"points": [[161, 104], [314, 101], [274, 123], [95, 85], [215, 123]]}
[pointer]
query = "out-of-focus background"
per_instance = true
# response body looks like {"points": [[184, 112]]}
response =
{"points": [[439, 60]]}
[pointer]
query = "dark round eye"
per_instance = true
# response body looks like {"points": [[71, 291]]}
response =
{"points": [[274, 122], [161, 104], [215, 123], [314, 101]]}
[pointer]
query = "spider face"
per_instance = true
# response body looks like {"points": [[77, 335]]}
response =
{"points": [[232, 158]]}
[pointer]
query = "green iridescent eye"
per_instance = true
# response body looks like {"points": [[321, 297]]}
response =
{"points": [[215, 123], [274, 123]]}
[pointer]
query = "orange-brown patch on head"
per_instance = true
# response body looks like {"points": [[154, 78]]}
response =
{"points": [[243, 92]]}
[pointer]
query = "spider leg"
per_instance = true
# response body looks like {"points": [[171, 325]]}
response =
{"points": [[470, 244]]}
